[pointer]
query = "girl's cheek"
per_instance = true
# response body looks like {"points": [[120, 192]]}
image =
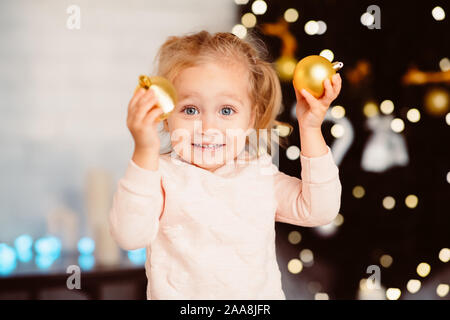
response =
{"points": [[234, 144]]}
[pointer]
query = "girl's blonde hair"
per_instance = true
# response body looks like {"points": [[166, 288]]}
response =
{"points": [[180, 52]]}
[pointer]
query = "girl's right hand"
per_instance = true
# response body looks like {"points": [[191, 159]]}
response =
{"points": [[142, 121]]}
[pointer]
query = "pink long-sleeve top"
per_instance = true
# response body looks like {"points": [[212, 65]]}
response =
{"points": [[211, 235]]}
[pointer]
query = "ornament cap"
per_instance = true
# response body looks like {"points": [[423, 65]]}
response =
{"points": [[337, 65]]}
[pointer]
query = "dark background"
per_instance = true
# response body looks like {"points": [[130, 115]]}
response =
{"points": [[409, 36]]}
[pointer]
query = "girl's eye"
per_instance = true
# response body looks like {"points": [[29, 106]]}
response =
{"points": [[190, 110], [228, 112]]}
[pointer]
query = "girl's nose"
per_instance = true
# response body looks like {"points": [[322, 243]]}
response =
{"points": [[207, 129]]}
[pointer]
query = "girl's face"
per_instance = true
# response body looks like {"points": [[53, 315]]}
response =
{"points": [[213, 109]]}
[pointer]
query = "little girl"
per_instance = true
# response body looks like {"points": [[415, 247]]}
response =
{"points": [[205, 217]]}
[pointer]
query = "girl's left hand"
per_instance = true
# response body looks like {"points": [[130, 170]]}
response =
{"points": [[311, 111]]}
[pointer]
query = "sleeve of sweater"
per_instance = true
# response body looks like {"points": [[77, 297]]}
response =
{"points": [[136, 207], [314, 200]]}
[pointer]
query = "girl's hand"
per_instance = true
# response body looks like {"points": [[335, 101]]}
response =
{"points": [[142, 121], [311, 111]]}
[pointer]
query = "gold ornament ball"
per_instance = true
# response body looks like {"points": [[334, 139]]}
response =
{"points": [[164, 90], [311, 71]]}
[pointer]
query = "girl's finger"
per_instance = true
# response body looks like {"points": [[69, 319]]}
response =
{"points": [[337, 82], [329, 92], [298, 96], [150, 117], [136, 96], [312, 101], [146, 104]]}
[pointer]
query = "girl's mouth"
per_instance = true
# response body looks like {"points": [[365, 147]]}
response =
{"points": [[205, 147]]}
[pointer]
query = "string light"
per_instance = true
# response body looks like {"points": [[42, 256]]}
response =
{"points": [[393, 293], [444, 255], [444, 64], [327, 54], [293, 152], [411, 201], [294, 237], [295, 266], [239, 30], [311, 27], [358, 192], [438, 13], [291, 15], [248, 20], [322, 27], [338, 112], [413, 285], [397, 125], [283, 131], [442, 290], [321, 296], [387, 106], [306, 256], [339, 220], [370, 109], [386, 260], [388, 203], [413, 115], [423, 269], [367, 19], [337, 130], [259, 7]]}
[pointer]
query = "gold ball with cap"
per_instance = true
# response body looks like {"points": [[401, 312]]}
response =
{"points": [[164, 91], [311, 71]]}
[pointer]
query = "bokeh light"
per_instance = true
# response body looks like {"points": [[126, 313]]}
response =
{"points": [[386, 260], [387, 106], [393, 293], [358, 192], [295, 266], [444, 255], [86, 246], [239, 30], [413, 285], [311, 27], [397, 125], [370, 109], [413, 115], [438, 13], [411, 201], [327, 54], [423, 269], [248, 20], [294, 237], [337, 112], [337, 130], [388, 202], [291, 15], [293, 152], [259, 7], [442, 290]]}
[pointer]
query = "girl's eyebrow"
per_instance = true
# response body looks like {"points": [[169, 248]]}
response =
{"points": [[223, 94]]}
